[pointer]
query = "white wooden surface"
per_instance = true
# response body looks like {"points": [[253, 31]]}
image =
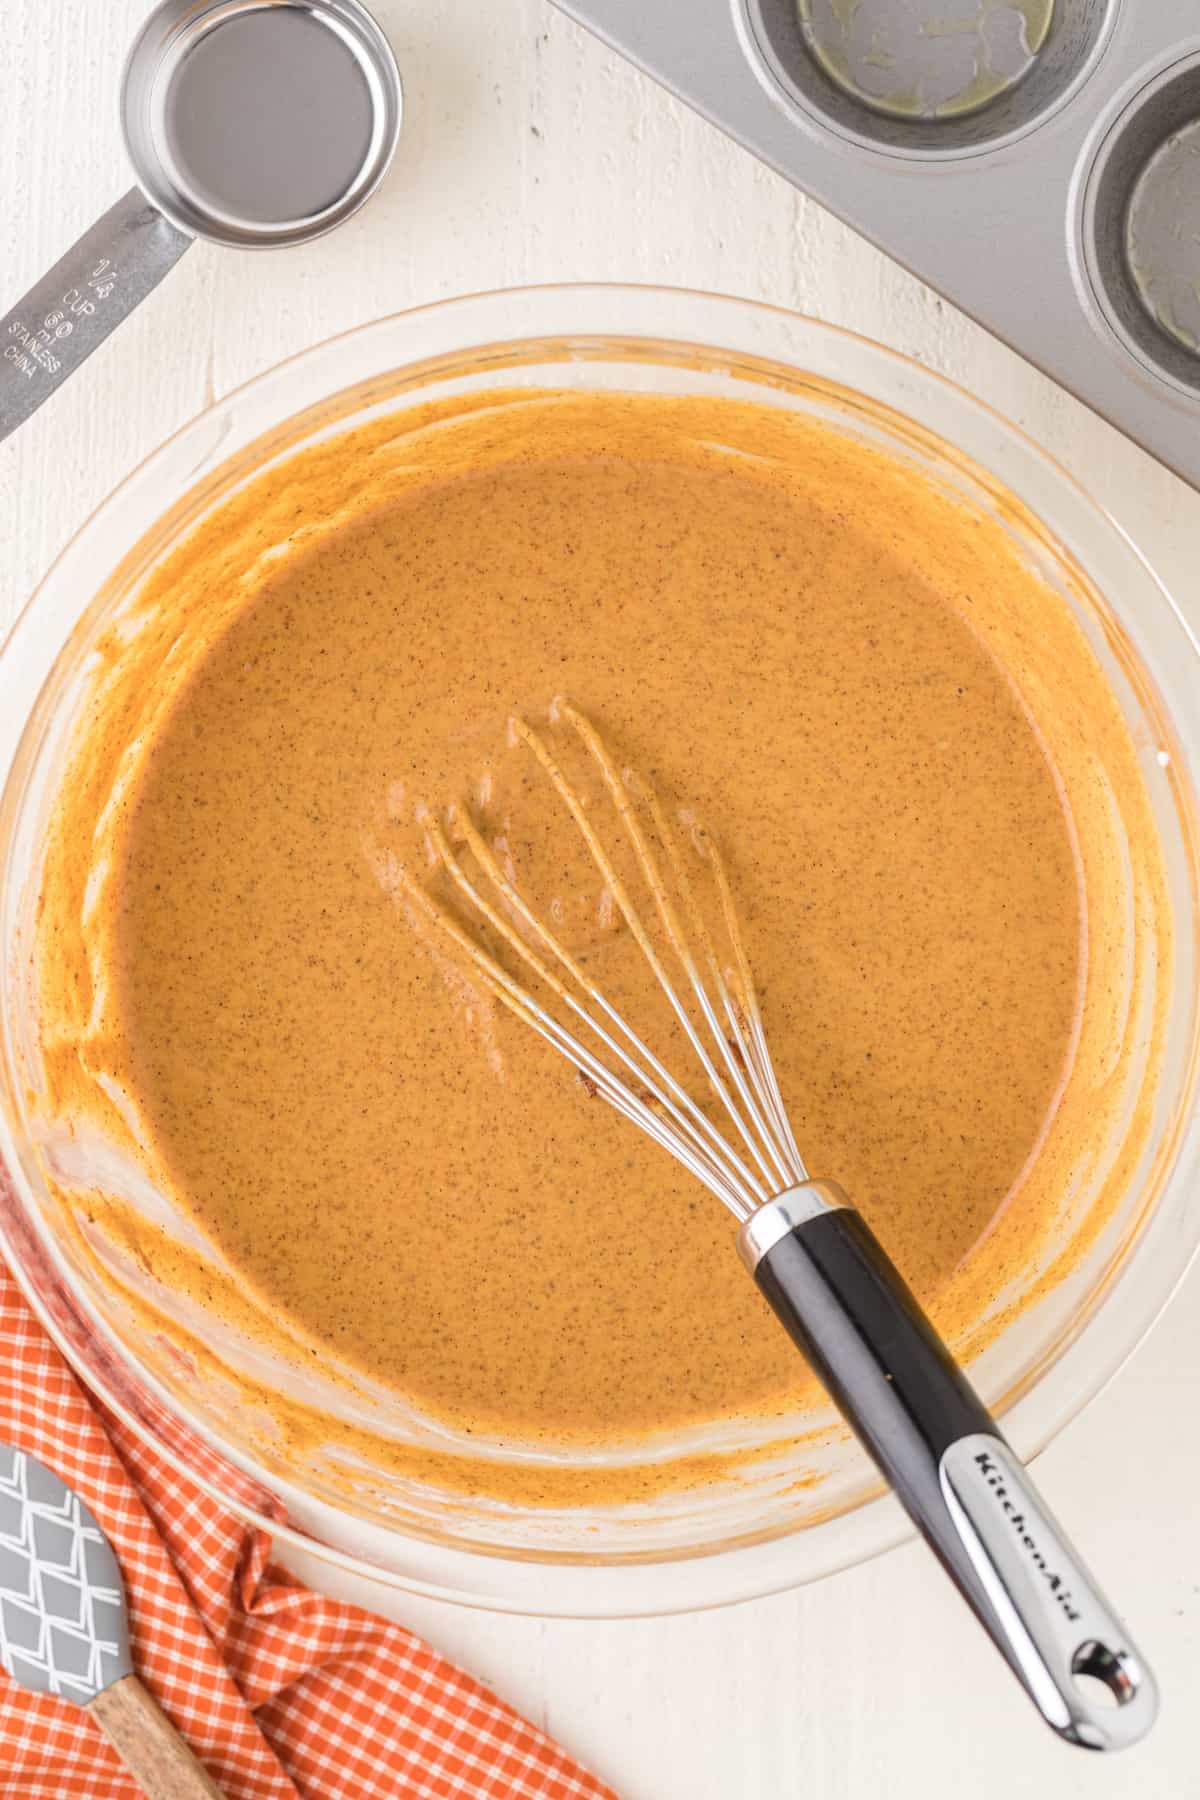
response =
{"points": [[533, 154]]}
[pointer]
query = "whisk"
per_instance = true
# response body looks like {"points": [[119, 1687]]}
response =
{"points": [[812, 1255]]}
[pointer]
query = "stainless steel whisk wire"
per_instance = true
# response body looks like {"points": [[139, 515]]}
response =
{"points": [[736, 1061]]}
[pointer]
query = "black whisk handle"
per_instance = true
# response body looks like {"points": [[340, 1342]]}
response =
{"points": [[842, 1300]]}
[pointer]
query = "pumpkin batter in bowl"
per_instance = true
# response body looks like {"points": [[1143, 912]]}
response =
{"points": [[321, 1133]]}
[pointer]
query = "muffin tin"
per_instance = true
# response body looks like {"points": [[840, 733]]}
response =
{"points": [[1062, 211]]}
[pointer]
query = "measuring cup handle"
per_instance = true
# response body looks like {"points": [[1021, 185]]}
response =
{"points": [[85, 296]]}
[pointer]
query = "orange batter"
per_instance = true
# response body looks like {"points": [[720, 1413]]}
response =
{"points": [[802, 640]]}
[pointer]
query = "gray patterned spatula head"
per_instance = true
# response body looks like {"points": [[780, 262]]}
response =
{"points": [[63, 1625], [64, 1629]]}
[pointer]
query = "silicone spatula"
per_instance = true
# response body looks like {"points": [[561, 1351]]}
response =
{"points": [[64, 1629]]}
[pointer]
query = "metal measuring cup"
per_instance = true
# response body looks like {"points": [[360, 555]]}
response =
{"points": [[252, 123]]}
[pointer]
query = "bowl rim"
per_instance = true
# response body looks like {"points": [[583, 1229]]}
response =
{"points": [[875, 1524]]}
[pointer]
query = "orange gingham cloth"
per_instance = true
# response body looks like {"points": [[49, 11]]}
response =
{"points": [[280, 1692]]}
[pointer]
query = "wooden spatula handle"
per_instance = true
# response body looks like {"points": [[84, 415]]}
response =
{"points": [[148, 1744]]}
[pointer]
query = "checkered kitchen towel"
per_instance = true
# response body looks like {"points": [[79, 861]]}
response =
{"points": [[280, 1692]]}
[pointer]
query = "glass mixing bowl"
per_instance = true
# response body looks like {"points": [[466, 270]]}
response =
{"points": [[765, 1528]]}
